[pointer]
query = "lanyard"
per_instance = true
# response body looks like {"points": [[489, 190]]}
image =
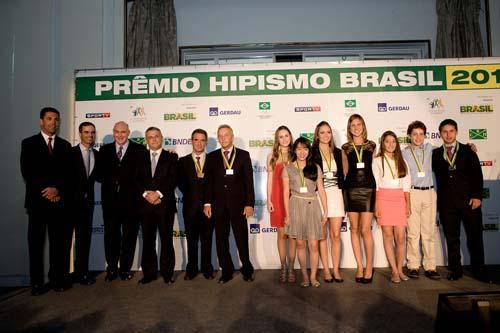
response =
{"points": [[417, 162], [328, 161], [228, 165], [453, 158], [390, 168], [360, 154], [301, 174], [199, 168]]}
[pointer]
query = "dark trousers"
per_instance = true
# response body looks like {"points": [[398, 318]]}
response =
{"points": [[120, 237], [223, 224], [154, 220], [82, 220], [199, 229], [450, 218], [53, 221]]}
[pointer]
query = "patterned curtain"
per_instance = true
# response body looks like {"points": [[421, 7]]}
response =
{"points": [[458, 32], [152, 34]]}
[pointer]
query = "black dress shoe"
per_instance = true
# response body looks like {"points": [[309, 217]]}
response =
{"points": [[209, 275], [61, 286], [224, 279], [126, 275], [248, 277], [86, 280], [110, 276], [147, 279], [168, 280], [432, 274], [413, 273], [454, 276], [38, 289], [189, 276]]}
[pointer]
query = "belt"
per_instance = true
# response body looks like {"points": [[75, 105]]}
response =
{"points": [[422, 188]]}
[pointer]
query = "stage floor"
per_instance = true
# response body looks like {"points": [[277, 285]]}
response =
{"points": [[264, 305]]}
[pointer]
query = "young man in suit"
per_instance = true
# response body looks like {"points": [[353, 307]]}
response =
{"points": [[229, 198], [198, 227], [84, 165], [460, 190], [44, 165], [156, 181], [119, 197]]}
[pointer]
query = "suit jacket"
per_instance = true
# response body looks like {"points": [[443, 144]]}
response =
{"points": [[118, 187], [231, 191], [337, 155], [192, 187], [164, 180], [455, 188], [82, 187], [41, 169]]}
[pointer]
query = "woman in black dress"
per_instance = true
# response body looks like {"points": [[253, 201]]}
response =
{"points": [[359, 193]]}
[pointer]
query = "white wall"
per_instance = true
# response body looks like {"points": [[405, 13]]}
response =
{"points": [[44, 41]]}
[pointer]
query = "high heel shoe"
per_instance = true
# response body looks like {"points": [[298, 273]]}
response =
{"points": [[395, 278], [359, 279], [370, 279], [337, 279], [283, 271], [403, 277]]}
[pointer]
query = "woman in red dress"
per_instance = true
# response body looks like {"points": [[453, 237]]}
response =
{"points": [[276, 161]]}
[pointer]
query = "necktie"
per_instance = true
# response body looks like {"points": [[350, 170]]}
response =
{"points": [[87, 162], [120, 153], [449, 152], [198, 163], [226, 155], [153, 163], [50, 146]]}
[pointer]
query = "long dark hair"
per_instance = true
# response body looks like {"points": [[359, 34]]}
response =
{"points": [[310, 170], [398, 156]]}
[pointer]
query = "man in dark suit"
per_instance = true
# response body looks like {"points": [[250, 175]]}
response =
{"points": [[229, 198], [119, 197], [44, 165], [198, 227], [84, 164], [156, 181], [460, 191]]}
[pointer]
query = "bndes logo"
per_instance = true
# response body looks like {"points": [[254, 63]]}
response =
{"points": [[255, 228]]}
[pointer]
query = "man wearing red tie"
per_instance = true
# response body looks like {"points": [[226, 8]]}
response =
{"points": [[229, 199], [44, 166], [460, 191]]}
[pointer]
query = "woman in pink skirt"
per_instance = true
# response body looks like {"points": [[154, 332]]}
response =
{"points": [[392, 205]]}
